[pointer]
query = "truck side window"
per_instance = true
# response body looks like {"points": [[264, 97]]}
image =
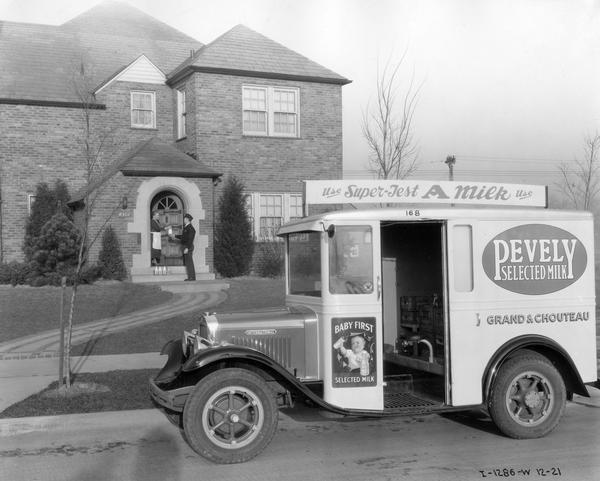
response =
{"points": [[351, 260], [463, 258], [304, 257]]}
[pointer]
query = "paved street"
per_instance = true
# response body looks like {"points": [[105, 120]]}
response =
{"points": [[143, 445]]}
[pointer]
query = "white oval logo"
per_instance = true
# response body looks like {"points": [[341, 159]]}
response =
{"points": [[534, 259]]}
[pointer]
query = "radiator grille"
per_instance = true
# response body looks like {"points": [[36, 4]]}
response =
{"points": [[278, 348]]}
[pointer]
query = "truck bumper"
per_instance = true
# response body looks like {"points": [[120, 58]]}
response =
{"points": [[173, 399]]}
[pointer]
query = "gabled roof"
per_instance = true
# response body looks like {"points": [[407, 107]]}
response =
{"points": [[140, 66], [156, 158], [147, 159], [39, 61], [242, 51]]}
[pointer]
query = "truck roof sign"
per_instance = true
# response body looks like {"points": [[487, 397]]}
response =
{"points": [[424, 192]]}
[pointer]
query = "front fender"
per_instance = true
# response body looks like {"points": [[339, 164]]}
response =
{"points": [[172, 368], [227, 352], [231, 352]]}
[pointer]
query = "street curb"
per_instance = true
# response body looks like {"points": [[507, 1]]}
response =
{"points": [[65, 422], [142, 417], [592, 401]]}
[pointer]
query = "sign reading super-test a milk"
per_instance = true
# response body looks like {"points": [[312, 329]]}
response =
{"points": [[534, 259], [423, 192]]}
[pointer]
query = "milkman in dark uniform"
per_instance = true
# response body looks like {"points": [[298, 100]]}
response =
{"points": [[187, 246]]}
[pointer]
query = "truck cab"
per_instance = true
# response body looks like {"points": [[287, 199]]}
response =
{"points": [[394, 311]]}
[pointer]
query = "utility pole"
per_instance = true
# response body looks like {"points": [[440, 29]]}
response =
{"points": [[450, 161]]}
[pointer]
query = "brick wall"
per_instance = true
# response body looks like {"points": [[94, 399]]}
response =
{"points": [[44, 144], [268, 164]]}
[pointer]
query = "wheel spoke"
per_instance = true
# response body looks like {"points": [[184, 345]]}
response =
{"points": [[246, 406], [246, 423], [218, 410], [218, 425]]}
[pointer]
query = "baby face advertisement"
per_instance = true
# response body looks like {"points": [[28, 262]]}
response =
{"points": [[353, 351]]}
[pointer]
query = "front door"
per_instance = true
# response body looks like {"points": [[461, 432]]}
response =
{"points": [[170, 208]]}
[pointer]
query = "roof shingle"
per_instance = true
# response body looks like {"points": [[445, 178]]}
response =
{"points": [[39, 61], [148, 158], [241, 50]]}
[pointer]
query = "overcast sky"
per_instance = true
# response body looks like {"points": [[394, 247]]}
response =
{"points": [[507, 85]]}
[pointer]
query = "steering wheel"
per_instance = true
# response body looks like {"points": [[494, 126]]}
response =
{"points": [[354, 288]]}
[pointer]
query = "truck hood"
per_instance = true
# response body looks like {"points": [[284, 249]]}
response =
{"points": [[267, 318]]}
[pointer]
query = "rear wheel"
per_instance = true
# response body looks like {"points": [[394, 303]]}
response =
{"points": [[528, 397], [231, 416]]}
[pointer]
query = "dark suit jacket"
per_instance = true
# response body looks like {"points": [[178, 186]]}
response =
{"points": [[187, 237]]}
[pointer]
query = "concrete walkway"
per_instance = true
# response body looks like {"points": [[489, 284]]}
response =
{"points": [[29, 364]]}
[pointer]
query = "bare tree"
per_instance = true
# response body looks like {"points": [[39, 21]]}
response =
{"points": [[580, 181], [388, 124], [96, 143]]}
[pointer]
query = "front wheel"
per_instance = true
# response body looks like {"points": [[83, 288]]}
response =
{"points": [[231, 416], [528, 397]]}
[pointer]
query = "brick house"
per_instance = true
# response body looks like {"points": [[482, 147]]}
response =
{"points": [[169, 119]]}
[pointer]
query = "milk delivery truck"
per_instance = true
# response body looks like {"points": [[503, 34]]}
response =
{"points": [[393, 311]]}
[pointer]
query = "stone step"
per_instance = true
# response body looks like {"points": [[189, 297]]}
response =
{"points": [[168, 278]]}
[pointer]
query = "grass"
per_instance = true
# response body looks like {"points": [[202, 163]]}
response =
{"points": [[28, 310], [246, 293], [125, 390]]}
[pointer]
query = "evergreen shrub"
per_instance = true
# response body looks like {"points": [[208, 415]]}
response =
{"points": [[54, 253], [48, 202], [234, 245], [110, 259]]}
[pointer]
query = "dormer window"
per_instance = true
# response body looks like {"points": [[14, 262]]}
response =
{"points": [[270, 111], [143, 110]]}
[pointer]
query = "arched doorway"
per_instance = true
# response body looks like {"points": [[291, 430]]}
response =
{"points": [[170, 208]]}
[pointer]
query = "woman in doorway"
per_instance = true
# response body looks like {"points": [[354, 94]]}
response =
{"points": [[156, 243]]}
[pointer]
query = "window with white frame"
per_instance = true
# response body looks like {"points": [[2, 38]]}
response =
{"points": [[30, 202], [271, 215], [270, 111], [295, 206], [143, 110], [250, 212], [181, 114], [255, 111], [268, 211]]}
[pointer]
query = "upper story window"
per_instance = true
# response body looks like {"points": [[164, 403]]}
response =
{"points": [[143, 110], [270, 111], [181, 113]]}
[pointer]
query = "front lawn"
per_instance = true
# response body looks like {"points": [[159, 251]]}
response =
{"points": [[30, 310], [244, 293], [115, 391]]}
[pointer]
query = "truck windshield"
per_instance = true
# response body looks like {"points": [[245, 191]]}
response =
{"points": [[351, 260], [304, 254]]}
